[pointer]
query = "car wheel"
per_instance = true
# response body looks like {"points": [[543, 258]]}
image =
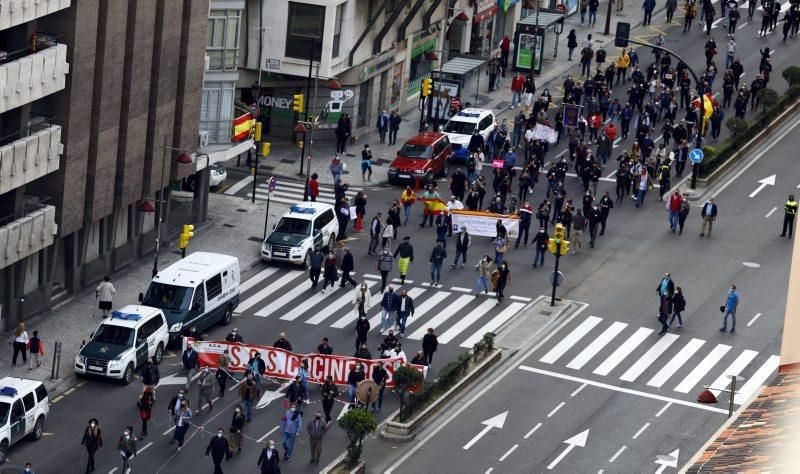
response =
{"points": [[307, 260], [3, 451], [226, 318], [127, 377], [445, 170], [159, 354], [38, 429]]}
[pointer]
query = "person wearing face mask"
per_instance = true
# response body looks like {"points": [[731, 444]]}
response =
{"points": [[540, 241], [731, 303], [175, 403], [594, 222], [363, 352], [28, 469], [190, 364], [127, 449], [380, 377], [503, 279], [256, 367], [399, 354], [182, 418], [269, 459], [205, 389], [283, 343], [249, 393], [316, 429], [237, 426], [484, 267], [291, 422], [223, 361], [145, 405], [219, 449], [234, 337], [150, 375], [325, 347], [329, 393], [354, 377], [296, 393], [92, 440]]}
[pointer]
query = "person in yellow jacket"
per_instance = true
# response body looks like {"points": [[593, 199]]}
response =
{"points": [[789, 211], [622, 66], [407, 199]]}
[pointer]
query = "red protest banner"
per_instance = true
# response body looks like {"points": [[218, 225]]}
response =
{"points": [[281, 364], [498, 163]]}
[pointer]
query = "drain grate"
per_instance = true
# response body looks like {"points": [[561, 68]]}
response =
{"points": [[230, 226], [255, 239], [241, 210]]}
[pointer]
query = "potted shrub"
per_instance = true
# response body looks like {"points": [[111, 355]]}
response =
{"points": [[357, 423], [405, 378]]}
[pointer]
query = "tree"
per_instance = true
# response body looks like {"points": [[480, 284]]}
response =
{"points": [[767, 97], [357, 423], [737, 126], [792, 75], [405, 378]]}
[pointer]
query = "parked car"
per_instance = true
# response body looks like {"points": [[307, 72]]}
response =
{"points": [[423, 156], [460, 127], [216, 176]]}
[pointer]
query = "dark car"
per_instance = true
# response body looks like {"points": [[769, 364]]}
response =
{"points": [[422, 157]]}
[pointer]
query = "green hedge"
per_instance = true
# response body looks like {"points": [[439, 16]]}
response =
{"points": [[730, 146], [448, 377]]}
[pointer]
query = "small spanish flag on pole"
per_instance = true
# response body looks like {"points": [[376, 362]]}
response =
{"points": [[434, 206], [242, 126]]}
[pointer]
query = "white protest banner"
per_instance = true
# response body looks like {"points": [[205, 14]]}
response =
{"points": [[484, 223], [543, 132]]}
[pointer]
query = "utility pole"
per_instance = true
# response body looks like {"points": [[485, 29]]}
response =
{"points": [[308, 92], [161, 201], [607, 28]]}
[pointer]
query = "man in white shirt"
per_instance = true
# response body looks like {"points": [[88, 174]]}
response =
{"points": [[105, 292]]}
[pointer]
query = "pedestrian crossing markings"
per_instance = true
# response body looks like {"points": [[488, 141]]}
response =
{"points": [[291, 192]]}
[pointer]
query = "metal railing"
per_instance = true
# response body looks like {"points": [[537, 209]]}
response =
{"points": [[38, 42]]}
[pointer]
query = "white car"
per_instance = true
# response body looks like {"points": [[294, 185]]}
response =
{"points": [[24, 406], [304, 226], [217, 175], [460, 128], [123, 342]]}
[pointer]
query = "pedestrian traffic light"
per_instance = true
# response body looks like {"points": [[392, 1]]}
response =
{"points": [[297, 102], [558, 245], [186, 235], [559, 233], [265, 148], [257, 132], [622, 34], [427, 86]]}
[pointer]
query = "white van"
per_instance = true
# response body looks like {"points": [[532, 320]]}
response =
{"points": [[199, 290], [461, 126], [24, 406], [123, 342], [304, 226]]}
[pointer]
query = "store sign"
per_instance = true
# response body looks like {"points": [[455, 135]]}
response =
{"points": [[370, 69], [506, 4], [486, 9], [272, 64], [422, 44]]}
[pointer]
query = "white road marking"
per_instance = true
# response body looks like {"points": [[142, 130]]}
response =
{"points": [[736, 367], [398, 280], [344, 410], [771, 212], [268, 433], [145, 447], [676, 363], [239, 185], [351, 316], [375, 322], [330, 309], [520, 298], [266, 291], [370, 275], [446, 313], [641, 430], [508, 453], [532, 431], [616, 455], [284, 301], [257, 278], [578, 390], [306, 305], [622, 351], [462, 324], [554, 410], [423, 309], [756, 380], [622, 389], [742, 25], [649, 357], [488, 471], [461, 289], [701, 369], [570, 339], [754, 319], [596, 346], [661, 411], [497, 321]]}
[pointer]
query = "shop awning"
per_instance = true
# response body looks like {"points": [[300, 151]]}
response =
{"points": [[546, 19], [462, 65]]}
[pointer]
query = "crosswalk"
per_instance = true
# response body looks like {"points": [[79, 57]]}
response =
{"points": [[456, 317], [291, 192], [683, 364]]}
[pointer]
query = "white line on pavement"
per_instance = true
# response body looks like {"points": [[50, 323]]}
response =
{"points": [[113, 471], [520, 298], [661, 411], [239, 185], [641, 430], [538, 425], [558, 407], [463, 290], [513, 448], [623, 390], [616, 455], [370, 275], [145, 447], [489, 471], [770, 212], [578, 390], [268, 433], [754, 319]]}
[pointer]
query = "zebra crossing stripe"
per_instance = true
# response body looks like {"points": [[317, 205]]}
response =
{"points": [[329, 310], [596, 346], [701, 369], [649, 357], [266, 291], [446, 313], [351, 316], [257, 278], [467, 320], [676, 363], [623, 351], [571, 339], [757, 379], [507, 313], [306, 305], [736, 367], [283, 301]]}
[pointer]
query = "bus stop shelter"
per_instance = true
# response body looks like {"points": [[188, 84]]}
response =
{"points": [[531, 32], [459, 77]]}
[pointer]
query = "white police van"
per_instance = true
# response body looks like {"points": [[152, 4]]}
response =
{"points": [[200, 290], [24, 406], [124, 342], [461, 126], [304, 226]]}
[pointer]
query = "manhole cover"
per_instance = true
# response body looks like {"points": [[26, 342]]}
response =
{"points": [[241, 210], [254, 239], [228, 225], [546, 313]]}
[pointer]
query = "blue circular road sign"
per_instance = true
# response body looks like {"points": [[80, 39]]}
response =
{"points": [[696, 156]]}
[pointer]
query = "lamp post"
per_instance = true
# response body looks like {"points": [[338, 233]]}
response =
{"points": [[301, 129], [144, 207]]}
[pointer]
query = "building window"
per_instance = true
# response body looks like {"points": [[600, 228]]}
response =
{"points": [[216, 110], [305, 21], [337, 29], [222, 40]]}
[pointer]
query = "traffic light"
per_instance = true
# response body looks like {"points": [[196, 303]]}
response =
{"points": [[558, 243], [265, 148], [297, 102], [257, 132], [427, 86], [622, 34], [183, 240]]}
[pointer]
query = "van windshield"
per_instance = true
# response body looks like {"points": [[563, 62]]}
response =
{"points": [[160, 295], [461, 128], [415, 151], [4, 409], [117, 335], [292, 225]]}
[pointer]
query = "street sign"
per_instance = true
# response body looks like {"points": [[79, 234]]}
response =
{"points": [[556, 278], [696, 156], [272, 63], [271, 184]]}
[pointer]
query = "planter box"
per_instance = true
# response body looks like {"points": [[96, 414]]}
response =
{"points": [[407, 431], [339, 466]]}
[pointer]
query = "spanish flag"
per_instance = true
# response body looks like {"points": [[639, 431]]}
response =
{"points": [[708, 104], [434, 206], [242, 126]]}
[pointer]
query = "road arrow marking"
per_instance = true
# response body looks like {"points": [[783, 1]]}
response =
{"points": [[669, 460], [493, 422], [769, 180], [577, 440]]}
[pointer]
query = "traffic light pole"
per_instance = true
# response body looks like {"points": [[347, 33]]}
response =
{"points": [[555, 273]]}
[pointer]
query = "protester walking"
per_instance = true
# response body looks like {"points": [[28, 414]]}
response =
{"points": [[223, 361], [380, 377], [105, 293], [384, 265], [709, 215], [678, 306], [503, 280], [463, 243], [429, 345], [145, 405], [394, 126], [291, 422], [375, 232], [540, 241], [317, 258], [731, 303], [20, 344], [127, 449], [329, 272], [236, 437], [249, 393], [405, 256], [182, 418], [269, 459], [92, 440], [405, 308], [219, 448], [190, 364], [316, 429], [205, 390], [485, 268], [329, 392], [438, 255]]}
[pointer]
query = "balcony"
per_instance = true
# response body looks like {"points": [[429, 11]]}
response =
{"points": [[27, 235], [32, 73], [29, 158], [17, 12]]}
